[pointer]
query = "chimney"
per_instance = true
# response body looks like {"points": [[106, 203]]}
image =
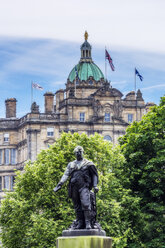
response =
{"points": [[10, 107], [49, 102], [59, 98]]}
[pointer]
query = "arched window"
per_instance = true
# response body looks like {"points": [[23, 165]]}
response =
{"points": [[108, 138], [90, 82]]}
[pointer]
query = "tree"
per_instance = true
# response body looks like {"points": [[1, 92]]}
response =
{"points": [[33, 216], [144, 174]]}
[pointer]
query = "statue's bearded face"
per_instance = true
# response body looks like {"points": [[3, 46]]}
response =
{"points": [[79, 154]]}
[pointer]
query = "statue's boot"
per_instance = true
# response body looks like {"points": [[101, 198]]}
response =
{"points": [[87, 220], [80, 220], [80, 224]]}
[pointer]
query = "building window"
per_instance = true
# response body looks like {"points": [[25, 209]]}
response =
{"points": [[0, 156], [82, 117], [6, 137], [50, 131], [107, 117], [13, 156], [90, 82], [12, 182], [7, 182], [130, 118], [7, 156], [108, 138]]}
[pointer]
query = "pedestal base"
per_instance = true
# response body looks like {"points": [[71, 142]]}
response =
{"points": [[84, 242], [83, 232]]}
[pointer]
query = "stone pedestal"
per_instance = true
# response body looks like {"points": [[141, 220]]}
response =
{"points": [[83, 232], [84, 242]]}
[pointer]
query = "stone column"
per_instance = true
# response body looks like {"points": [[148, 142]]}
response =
{"points": [[32, 143]]}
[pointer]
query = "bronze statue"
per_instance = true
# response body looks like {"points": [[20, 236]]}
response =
{"points": [[86, 35], [83, 177]]}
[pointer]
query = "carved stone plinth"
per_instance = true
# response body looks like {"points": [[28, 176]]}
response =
{"points": [[84, 242], [83, 232]]}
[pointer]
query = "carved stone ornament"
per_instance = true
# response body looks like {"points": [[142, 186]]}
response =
{"points": [[34, 108], [118, 108]]}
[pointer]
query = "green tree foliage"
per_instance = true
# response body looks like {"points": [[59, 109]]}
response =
{"points": [[34, 216], [144, 173]]}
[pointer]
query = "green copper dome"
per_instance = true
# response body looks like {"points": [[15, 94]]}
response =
{"points": [[86, 70]]}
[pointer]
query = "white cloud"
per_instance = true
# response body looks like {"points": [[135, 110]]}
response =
{"points": [[49, 62], [157, 86], [134, 24], [45, 57]]}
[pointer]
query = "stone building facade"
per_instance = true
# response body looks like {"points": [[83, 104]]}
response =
{"points": [[87, 104]]}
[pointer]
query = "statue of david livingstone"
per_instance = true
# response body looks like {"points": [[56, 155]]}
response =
{"points": [[83, 178]]}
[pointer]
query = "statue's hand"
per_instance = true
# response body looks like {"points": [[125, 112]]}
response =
{"points": [[58, 187], [96, 189]]}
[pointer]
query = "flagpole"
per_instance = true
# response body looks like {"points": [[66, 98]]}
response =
{"points": [[135, 96], [135, 80], [75, 88], [31, 92], [75, 82], [105, 65]]}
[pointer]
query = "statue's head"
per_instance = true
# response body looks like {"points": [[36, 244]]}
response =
{"points": [[79, 152]]}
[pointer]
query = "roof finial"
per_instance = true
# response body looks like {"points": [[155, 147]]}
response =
{"points": [[86, 35]]}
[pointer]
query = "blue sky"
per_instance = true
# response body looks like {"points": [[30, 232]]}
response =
{"points": [[40, 41]]}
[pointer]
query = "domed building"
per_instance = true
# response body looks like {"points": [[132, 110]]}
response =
{"points": [[88, 104], [92, 104], [86, 68]]}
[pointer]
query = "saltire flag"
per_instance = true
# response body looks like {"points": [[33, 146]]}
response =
{"points": [[76, 71], [37, 86], [107, 56], [138, 74]]}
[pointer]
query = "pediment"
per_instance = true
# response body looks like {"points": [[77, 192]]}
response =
{"points": [[108, 92]]}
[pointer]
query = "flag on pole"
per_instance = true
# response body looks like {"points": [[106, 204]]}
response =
{"points": [[37, 86], [107, 56], [76, 71], [138, 74]]}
